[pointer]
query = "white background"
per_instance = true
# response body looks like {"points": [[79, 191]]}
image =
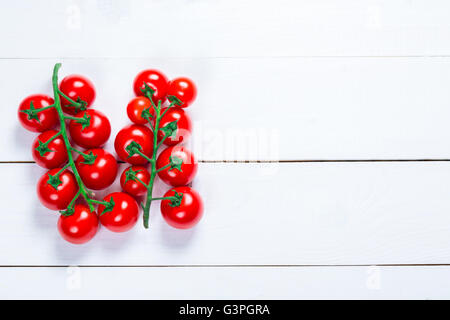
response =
{"points": [[351, 96]]}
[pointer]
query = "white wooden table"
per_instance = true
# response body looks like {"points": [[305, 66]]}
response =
{"points": [[342, 100]]}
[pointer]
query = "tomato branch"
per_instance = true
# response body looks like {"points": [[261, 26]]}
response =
{"points": [[54, 180]]}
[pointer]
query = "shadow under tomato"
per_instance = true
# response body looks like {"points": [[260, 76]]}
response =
{"points": [[172, 237]]}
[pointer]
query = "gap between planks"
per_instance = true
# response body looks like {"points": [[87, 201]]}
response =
{"points": [[236, 57], [284, 161], [231, 266]]}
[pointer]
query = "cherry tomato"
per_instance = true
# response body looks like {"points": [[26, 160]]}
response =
{"points": [[80, 227], [59, 198], [155, 80], [43, 120], [123, 216], [141, 135], [95, 134], [184, 89], [76, 87], [135, 188], [184, 126], [135, 108], [186, 214], [99, 170], [52, 156], [183, 168]]}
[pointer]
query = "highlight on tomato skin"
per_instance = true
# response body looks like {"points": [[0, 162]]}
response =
{"points": [[92, 135], [133, 187], [101, 172], [188, 213], [44, 120], [76, 87], [184, 126], [124, 215], [136, 133], [49, 155], [79, 227], [156, 80], [135, 108], [181, 174], [184, 89], [59, 198]]}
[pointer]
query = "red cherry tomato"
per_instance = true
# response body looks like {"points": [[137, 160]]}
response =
{"points": [[99, 174], [76, 87], [95, 134], [80, 227], [59, 198], [135, 108], [123, 216], [184, 126], [46, 119], [56, 153], [183, 168], [155, 80], [135, 188], [184, 89], [186, 214], [141, 135]]}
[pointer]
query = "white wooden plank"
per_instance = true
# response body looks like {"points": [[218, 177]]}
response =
{"points": [[226, 283], [223, 28], [294, 213], [269, 109]]}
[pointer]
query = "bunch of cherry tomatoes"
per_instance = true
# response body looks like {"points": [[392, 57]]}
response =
{"points": [[74, 172], [159, 108]]}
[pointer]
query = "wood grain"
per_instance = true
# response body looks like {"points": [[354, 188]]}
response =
{"points": [[227, 28], [270, 109], [266, 214], [226, 283], [350, 84]]}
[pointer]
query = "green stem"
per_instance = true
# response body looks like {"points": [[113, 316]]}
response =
{"points": [[167, 109], [82, 188], [74, 199], [141, 182], [78, 151], [164, 168], [144, 156], [52, 138], [71, 118], [164, 198], [98, 202], [153, 164], [62, 169], [67, 98], [44, 108]]}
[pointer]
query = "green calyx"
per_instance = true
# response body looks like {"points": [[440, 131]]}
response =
{"points": [[146, 114], [133, 148], [54, 181], [176, 199], [109, 206], [175, 163], [43, 148], [79, 105], [31, 112], [68, 212], [147, 91], [85, 121], [174, 100], [89, 158], [170, 129], [130, 175]]}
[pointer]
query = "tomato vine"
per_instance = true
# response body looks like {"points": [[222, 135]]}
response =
{"points": [[135, 148], [54, 180]]}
